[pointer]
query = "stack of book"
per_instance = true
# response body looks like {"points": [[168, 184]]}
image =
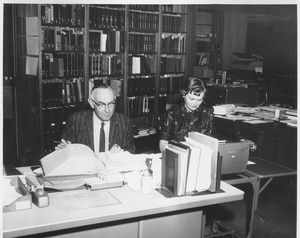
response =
{"points": [[191, 167]]}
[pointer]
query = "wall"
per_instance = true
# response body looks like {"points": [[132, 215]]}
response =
{"points": [[277, 43], [234, 36]]}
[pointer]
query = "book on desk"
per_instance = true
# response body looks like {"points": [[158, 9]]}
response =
{"points": [[190, 167]]}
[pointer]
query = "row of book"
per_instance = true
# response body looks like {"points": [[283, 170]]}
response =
{"points": [[191, 166], [143, 21], [116, 84], [58, 92], [144, 7], [63, 14], [142, 64], [173, 23], [57, 38], [107, 18], [176, 8], [172, 64], [139, 86], [138, 106], [173, 43], [170, 84], [105, 64], [62, 64], [142, 43], [106, 41], [141, 106]]}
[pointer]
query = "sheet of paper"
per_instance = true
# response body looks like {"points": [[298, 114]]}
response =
{"points": [[84, 199], [258, 121], [62, 184], [123, 161], [31, 65], [250, 162], [9, 192], [32, 24], [32, 44]]}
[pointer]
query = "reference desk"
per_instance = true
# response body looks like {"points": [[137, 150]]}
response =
{"points": [[132, 215]]}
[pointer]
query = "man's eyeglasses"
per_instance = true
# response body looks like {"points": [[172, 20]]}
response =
{"points": [[102, 105]]}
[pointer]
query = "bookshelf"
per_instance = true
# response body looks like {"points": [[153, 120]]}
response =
{"points": [[65, 49], [207, 57], [106, 47], [62, 54], [142, 55], [173, 45]]}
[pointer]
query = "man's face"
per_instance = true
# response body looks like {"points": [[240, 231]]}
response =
{"points": [[192, 102], [103, 102]]}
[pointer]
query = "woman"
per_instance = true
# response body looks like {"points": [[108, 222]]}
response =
{"points": [[190, 115]]}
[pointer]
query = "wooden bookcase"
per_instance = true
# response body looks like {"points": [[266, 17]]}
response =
{"points": [[65, 49], [205, 43]]}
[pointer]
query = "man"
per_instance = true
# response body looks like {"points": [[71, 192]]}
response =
{"points": [[84, 127]]}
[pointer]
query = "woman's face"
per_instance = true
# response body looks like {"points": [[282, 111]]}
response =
{"points": [[192, 102]]}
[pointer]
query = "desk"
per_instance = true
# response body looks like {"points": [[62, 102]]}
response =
{"points": [[264, 169], [254, 174], [275, 141], [243, 178], [137, 215]]}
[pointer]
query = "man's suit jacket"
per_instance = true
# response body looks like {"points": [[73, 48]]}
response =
{"points": [[79, 129]]}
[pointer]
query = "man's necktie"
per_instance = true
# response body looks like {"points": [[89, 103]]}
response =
{"points": [[102, 138]]}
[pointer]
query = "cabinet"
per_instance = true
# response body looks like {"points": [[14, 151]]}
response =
{"points": [[228, 95], [65, 49]]}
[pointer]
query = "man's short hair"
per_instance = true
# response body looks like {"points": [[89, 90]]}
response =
{"points": [[104, 86]]}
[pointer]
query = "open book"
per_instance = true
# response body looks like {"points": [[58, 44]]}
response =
{"points": [[75, 159]]}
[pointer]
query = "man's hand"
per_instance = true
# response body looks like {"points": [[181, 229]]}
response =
{"points": [[116, 149], [63, 144]]}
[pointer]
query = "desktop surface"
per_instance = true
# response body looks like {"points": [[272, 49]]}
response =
{"points": [[121, 204]]}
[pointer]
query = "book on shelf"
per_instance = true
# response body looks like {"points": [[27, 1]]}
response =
{"points": [[140, 105], [143, 21], [107, 17], [63, 14]]}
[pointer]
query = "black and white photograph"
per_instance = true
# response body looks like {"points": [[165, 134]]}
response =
{"points": [[140, 119]]}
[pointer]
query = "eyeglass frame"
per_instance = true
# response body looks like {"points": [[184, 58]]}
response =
{"points": [[102, 105]]}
